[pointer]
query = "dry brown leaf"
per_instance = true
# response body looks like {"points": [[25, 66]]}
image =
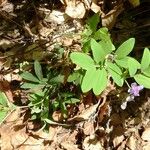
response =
{"points": [[67, 145], [67, 41], [56, 17], [87, 113], [88, 128], [75, 10], [118, 140], [57, 116], [146, 146], [132, 143], [146, 135], [92, 144], [95, 8], [109, 19]]}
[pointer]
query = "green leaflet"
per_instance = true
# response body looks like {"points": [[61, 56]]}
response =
{"points": [[122, 62], [142, 80], [146, 72], [82, 60], [3, 99], [125, 48], [38, 70], [93, 22], [97, 50], [87, 82], [133, 66], [100, 81], [116, 77], [28, 76], [114, 67], [145, 62]]}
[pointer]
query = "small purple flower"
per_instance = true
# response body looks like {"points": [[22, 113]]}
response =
{"points": [[135, 89]]}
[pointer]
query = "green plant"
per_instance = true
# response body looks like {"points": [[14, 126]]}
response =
{"points": [[45, 94], [5, 107], [107, 62], [91, 32]]}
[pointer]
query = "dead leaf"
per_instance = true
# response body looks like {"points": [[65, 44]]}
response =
{"points": [[75, 9], [109, 19], [95, 8], [118, 140], [57, 116], [56, 17], [67, 145], [86, 114], [93, 144], [88, 128], [132, 143], [146, 135]]}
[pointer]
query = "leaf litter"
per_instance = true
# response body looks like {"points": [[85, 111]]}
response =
{"points": [[98, 123]]}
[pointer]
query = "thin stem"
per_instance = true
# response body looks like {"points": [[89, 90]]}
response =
{"points": [[127, 84]]}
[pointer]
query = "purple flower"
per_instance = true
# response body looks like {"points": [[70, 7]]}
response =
{"points": [[135, 89]]}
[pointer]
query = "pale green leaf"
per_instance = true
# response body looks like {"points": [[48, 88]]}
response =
{"points": [[142, 80], [28, 76], [3, 114], [100, 81], [38, 70], [72, 101], [3, 99], [82, 60], [122, 62], [114, 67], [98, 51], [125, 48], [116, 77], [74, 76], [133, 66], [29, 85], [145, 62], [147, 71], [102, 34], [87, 82], [107, 46]]}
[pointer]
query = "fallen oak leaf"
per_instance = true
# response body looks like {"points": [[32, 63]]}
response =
{"points": [[87, 113]]}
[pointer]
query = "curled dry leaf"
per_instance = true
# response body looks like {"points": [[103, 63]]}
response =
{"points": [[75, 10], [109, 19]]}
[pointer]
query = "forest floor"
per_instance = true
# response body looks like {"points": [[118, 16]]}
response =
{"points": [[36, 30]]}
